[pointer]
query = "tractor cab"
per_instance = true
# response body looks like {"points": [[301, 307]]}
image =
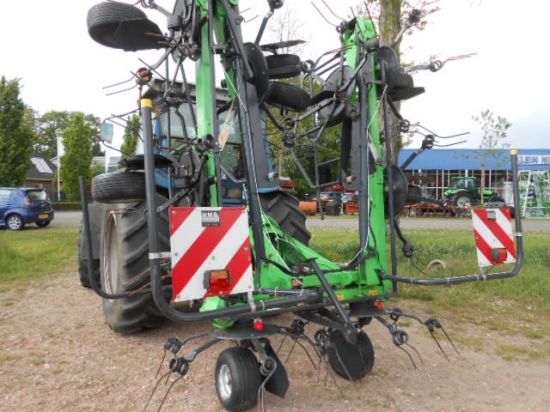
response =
{"points": [[464, 182]]}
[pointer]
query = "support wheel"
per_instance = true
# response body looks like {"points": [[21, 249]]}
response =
{"points": [[122, 26], [238, 379], [285, 210], [350, 361], [282, 66], [287, 97], [104, 18]]}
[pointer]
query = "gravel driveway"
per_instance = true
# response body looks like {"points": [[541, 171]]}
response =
{"points": [[57, 354]]}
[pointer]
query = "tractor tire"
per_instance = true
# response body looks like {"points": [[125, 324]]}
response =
{"points": [[462, 200], [125, 266], [495, 201], [119, 187], [104, 18], [287, 97], [83, 272], [285, 210], [95, 211]]}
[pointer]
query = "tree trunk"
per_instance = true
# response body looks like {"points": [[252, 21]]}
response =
{"points": [[390, 25]]}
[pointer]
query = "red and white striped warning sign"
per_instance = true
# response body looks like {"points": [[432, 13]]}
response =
{"points": [[206, 239], [494, 236]]}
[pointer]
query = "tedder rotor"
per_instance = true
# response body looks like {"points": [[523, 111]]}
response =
{"points": [[200, 215]]}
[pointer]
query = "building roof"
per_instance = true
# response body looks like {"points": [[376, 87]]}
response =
{"points": [[468, 159], [42, 168]]}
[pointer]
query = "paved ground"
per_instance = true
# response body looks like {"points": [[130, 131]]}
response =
{"points": [[349, 221]]}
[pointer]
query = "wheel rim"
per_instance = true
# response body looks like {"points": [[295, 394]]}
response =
{"points": [[463, 201], [110, 281], [14, 223], [224, 382]]}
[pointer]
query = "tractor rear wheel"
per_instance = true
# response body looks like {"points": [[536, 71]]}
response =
{"points": [[95, 211], [285, 210], [125, 266], [462, 200]]}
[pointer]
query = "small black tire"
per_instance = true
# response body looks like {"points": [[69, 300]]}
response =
{"points": [[237, 379], [15, 222], [119, 187], [104, 18], [283, 66], [43, 223], [284, 208], [350, 361], [287, 96]]}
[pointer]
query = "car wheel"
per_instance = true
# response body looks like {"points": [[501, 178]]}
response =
{"points": [[15, 222], [43, 223]]}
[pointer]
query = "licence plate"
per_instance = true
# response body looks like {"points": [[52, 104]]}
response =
{"points": [[44, 216]]}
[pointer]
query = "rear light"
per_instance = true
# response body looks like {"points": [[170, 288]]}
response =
{"points": [[217, 282], [499, 255], [27, 202], [259, 325], [289, 184]]}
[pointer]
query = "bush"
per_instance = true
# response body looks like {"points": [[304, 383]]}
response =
{"points": [[65, 206]]}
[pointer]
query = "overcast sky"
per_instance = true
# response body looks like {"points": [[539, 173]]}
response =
{"points": [[46, 45]]}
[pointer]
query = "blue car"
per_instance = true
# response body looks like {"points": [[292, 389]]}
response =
{"points": [[20, 206]]}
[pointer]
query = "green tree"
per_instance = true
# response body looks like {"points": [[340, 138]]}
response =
{"points": [[53, 122], [131, 136], [493, 139], [77, 161], [16, 135]]}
